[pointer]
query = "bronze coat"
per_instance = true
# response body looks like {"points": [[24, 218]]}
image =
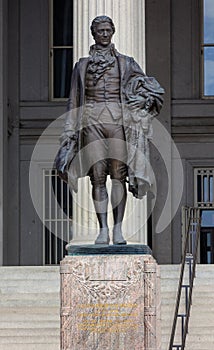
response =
{"points": [[128, 69]]}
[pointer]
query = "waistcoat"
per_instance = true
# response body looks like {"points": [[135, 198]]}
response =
{"points": [[107, 87]]}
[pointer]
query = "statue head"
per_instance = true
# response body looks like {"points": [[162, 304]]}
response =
{"points": [[102, 29]]}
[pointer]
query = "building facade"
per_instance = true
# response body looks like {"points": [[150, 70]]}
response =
{"points": [[39, 41]]}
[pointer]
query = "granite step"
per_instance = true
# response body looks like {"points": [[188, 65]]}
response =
{"points": [[28, 272], [29, 308], [10, 314], [201, 323], [27, 346]]}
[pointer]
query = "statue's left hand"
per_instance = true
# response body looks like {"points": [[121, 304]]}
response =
{"points": [[141, 103]]}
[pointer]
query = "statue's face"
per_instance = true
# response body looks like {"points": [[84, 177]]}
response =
{"points": [[103, 34]]}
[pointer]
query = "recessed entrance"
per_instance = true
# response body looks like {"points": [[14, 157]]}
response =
{"points": [[207, 245], [207, 237]]}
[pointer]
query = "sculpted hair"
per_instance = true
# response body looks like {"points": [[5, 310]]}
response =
{"points": [[101, 19]]}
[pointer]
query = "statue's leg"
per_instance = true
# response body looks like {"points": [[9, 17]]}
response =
{"points": [[118, 173], [96, 153], [100, 198], [118, 199]]}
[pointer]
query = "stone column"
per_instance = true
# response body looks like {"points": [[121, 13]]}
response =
{"points": [[3, 122], [128, 17], [129, 38]]}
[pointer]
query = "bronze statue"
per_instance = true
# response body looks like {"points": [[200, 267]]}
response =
{"points": [[108, 127]]}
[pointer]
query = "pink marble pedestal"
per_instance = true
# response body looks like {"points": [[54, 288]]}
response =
{"points": [[110, 302]]}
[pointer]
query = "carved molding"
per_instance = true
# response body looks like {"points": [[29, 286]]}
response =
{"points": [[104, 290]]}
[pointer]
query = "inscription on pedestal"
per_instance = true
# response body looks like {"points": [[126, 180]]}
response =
{"points": [[108, 318]]}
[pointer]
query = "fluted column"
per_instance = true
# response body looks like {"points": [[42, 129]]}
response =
{"points": [[129, 38], [128, 17]]}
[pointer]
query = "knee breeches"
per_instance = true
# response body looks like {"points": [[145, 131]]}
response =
{"points": [[105, 152]]}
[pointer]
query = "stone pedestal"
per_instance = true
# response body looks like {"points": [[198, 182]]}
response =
{"points": [[110, 301]]}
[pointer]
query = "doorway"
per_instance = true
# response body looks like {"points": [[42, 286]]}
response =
{"points": [[207, 237], [207, 245]]}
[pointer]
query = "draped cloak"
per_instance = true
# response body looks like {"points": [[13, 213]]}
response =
{"points": [[141, 100]]}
